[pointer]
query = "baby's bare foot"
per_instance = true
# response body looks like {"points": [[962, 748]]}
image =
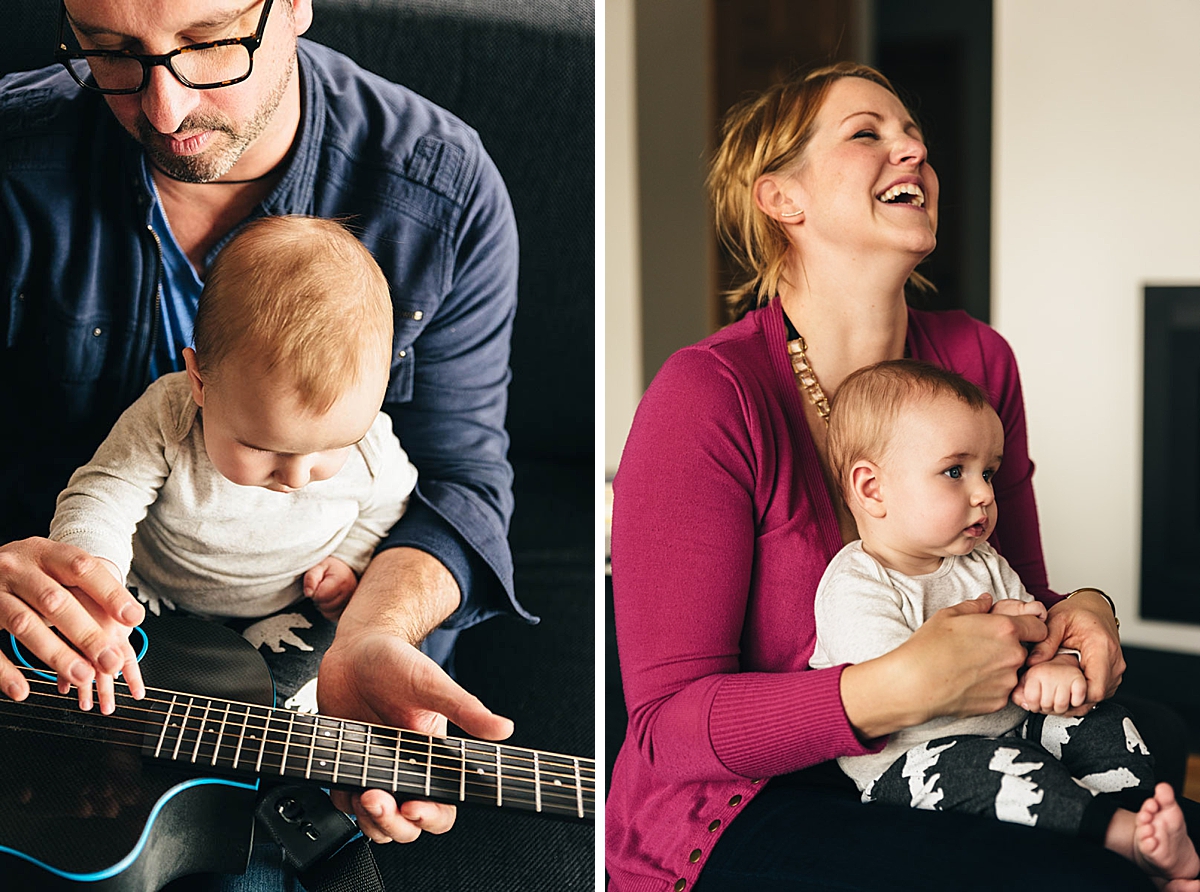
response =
{"points": [[1161, 845]]}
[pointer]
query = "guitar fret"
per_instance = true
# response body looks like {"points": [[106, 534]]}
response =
{"points": [[337, 754], [287, 742], [462, 771], [537, 783], [200, 732], [312, 746], [429, 766], [262, 747], [366, 756], [396, 761], [166, 723], [499, 779], [237, 754], [182, 727], [578, 789], [220, 734]]}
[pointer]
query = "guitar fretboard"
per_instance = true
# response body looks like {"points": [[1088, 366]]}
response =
{"points": [[241, 738]]}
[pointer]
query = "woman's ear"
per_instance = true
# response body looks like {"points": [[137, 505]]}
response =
{"points": [[772, 194], [866, 488], [193, 373]]}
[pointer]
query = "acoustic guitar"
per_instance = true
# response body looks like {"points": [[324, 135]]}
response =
{"points": [[166, 786]]}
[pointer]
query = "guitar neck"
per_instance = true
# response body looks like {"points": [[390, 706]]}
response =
{"points": [[244, 739]]}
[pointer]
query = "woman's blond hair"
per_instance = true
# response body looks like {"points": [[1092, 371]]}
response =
{"points": [[760, 135], [300, 295], [864, 411]]}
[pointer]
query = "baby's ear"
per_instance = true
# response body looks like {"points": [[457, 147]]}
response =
{"points": [[866, 491], [193, 373]]}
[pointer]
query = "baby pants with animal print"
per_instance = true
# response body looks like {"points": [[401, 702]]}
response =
{"points": [[1048, 772]]}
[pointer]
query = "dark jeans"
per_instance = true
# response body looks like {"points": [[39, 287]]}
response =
{"points": [[808, 831]]}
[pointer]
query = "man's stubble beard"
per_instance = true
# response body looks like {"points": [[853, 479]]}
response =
{"points": [[230, 141]]}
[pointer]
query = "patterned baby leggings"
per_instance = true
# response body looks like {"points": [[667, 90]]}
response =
{"points": [[1045, 772]]}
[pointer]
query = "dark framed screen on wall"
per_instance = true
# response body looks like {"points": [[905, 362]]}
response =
{"points": [[1170, 577]]}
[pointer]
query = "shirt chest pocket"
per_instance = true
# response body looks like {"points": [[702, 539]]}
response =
{"points": [[408, 323]]}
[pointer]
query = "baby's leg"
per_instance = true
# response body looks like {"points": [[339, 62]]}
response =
{"points": [[1005, 778], [1102, 750], [1156, 838]]}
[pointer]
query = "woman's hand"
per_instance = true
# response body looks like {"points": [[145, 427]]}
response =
{"points": [[963, 661], [1085, 623]]}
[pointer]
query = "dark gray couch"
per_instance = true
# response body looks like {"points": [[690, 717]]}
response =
{"points": [[521, 72]]}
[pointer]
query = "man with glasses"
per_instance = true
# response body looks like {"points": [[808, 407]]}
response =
{"points": [[122, 171]]}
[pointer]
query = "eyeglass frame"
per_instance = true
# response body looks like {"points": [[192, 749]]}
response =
{"points": [[149, 61]]}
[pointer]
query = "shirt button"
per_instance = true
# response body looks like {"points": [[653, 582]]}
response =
{"points": [[680, 884], [21, 297], [402, 354], [695, 856], [736, 800], [96, 332], [759, 781], [714, 826], [418, 315]]}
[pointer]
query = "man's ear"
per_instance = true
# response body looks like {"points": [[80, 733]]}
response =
{"points": [[866, 488], [775, 197], [302, 14], [193, 373]]}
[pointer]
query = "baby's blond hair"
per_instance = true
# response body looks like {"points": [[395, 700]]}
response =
{"points": [[864, 412], [301, 296]]}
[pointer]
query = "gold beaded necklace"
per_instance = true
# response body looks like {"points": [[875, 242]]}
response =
{"points": [[806, 378]]}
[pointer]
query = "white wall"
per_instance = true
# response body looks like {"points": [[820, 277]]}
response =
{"points": [[622, 284], [1096, 193]]}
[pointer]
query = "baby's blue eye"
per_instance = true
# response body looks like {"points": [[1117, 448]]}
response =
{"points": [[953, 473], [988, 475]]}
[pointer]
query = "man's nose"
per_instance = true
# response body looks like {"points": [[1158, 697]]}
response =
{"points": [[166, 102]]}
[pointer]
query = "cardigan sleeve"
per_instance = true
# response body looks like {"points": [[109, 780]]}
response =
{"points": [[1018, 536], [683, 546]]}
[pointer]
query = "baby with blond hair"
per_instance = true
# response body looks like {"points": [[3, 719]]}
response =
{"points": [[265, 472], [915, 448]]}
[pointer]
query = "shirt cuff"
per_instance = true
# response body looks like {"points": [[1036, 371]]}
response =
{"points": [[482, 594]]}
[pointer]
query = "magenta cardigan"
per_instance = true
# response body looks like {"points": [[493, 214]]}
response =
{"points": [[722, 527]]}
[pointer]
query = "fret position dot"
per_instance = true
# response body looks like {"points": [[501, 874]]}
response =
{"points": [[323, 763], [557, 782], [479, 771]]}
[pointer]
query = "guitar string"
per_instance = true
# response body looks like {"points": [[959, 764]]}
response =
{"points": [[568, 804], [450, 761], [203, 752], [508, 752]]}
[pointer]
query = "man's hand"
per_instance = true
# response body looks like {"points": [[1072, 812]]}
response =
{"points": [[379, 678], [1086, 623], [44, 584], [330, 585], [374, 672]]}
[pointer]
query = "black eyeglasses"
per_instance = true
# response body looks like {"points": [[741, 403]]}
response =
{"points": [[201, 66]]}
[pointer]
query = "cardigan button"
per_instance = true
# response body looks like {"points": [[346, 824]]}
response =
{"points": [[402, 354], [714, 826], [418, 315], [695, 856], [680, 884], [736, 800], [759, 781]]}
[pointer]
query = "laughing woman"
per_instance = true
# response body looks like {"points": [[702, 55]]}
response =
{"points": [[724, 520]]}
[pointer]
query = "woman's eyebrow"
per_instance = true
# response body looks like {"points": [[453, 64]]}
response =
{"points": [[909, 125]]}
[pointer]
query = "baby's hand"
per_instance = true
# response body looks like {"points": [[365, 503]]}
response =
{"points": [[1015, 607], [1056, 687], [330, 585]]}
